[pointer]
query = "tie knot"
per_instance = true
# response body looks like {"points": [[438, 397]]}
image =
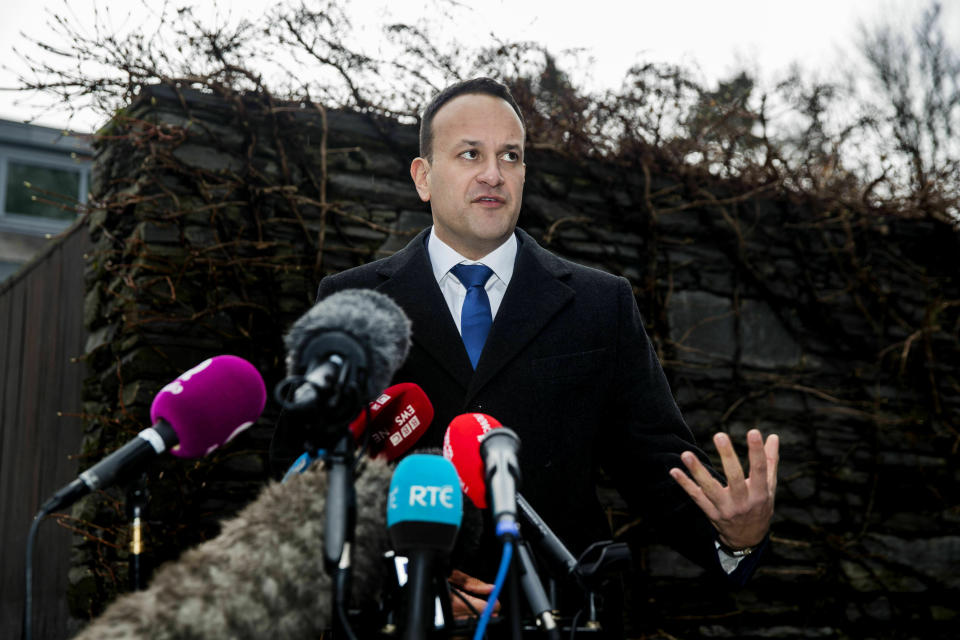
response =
{"points": [[472, 275]]}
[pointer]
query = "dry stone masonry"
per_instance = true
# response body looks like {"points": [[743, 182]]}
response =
{"points": [[833, 325]]}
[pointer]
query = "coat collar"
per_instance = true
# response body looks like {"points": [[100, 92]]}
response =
{"points": [[535, 294], [410, 282]]}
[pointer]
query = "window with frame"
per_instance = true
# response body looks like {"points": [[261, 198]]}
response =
{"points": [[39, 190]]}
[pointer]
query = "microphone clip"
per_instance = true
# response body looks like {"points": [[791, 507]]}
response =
{"points": [[601, 560], [328, 385]]}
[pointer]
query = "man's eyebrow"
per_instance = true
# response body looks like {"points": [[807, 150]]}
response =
{"points": [[510, 146]]}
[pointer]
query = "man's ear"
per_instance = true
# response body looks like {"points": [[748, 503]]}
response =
{"points": [[419, 169]]}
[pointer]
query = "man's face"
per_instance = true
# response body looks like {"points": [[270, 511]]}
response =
{"points": [[475, 181]]}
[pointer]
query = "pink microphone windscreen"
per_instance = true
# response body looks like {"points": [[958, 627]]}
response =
{"points": [[210, 404]]}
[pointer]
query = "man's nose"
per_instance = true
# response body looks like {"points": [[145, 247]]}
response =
{"points": [[490, 173]]}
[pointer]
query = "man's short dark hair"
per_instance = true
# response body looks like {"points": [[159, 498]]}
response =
{"points": [[487, 86]]}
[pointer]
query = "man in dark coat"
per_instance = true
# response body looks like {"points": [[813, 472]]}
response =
{"points": [[566, 364]]}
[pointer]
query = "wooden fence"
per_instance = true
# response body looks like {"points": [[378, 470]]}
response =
{"points": [[41, 375]]}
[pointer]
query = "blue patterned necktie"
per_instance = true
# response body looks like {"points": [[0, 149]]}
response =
{"points": [[475, 318]]}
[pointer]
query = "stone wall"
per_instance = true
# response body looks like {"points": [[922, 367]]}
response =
{"points": [[834, 326]]}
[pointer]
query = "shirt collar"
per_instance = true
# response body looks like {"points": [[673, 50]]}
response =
{"points": [[501, 260]]}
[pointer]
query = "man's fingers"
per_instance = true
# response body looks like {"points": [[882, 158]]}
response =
{"points": [[469, 590], [696, 493], [771, 449], [741, 510], [758, 462], [710, 485], [731, 467], [459, 603], [704, 488], [467, 582]]}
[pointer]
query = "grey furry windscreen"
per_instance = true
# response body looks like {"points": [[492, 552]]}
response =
{"points": [[374, 319], [263, 575]]}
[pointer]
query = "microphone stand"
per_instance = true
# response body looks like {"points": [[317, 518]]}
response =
{"points": [[329, 393], [137, 498], [341, 513], [534, 591], [416, 614], [597, 562]]}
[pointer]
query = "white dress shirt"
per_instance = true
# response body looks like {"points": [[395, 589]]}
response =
{"points": [[443, 258]]}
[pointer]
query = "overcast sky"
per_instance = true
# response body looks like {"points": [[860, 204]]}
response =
{"points": [[714, 36]]}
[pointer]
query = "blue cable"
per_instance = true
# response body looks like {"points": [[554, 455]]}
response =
{"points": [[497, 585]]}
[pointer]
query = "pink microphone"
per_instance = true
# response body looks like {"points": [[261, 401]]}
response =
{"points": [[210, 404], [201, 410]]}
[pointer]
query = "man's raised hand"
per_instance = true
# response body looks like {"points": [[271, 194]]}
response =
{"points": [[742, 510]]}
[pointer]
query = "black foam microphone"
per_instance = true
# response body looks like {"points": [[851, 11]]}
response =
{"points": [[342, 352], [263, 576]]}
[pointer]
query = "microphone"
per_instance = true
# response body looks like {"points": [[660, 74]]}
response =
{"points": [[262, 576], [202, 409], [340, 353], [461, 447], [484, 452], [398, 418], [498, 449], [538, 531], [423, 516], [478, 446]]}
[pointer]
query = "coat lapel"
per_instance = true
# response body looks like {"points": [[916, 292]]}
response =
{"points": [[411, 284], [535, 294]]}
